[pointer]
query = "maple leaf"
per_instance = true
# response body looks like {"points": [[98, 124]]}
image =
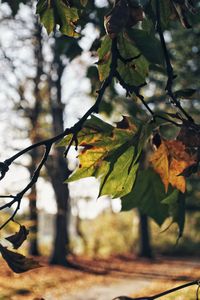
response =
{"points": [[169, 161], [110, 153]]}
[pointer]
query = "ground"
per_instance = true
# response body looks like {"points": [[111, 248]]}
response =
{"points": [[99, 279]]}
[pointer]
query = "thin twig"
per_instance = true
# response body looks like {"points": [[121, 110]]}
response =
{"points": [[180, 287], [9, 204], [170, 71], [136, 90], [13, 214]]}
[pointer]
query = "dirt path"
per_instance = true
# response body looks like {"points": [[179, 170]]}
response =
{"points": [[100, 279], [120, 287]]}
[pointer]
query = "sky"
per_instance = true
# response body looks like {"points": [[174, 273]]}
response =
{"points": [[77, 102]]}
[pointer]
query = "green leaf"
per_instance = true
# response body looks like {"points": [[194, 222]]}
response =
{"points": [[148, 45], [57, 12], [67, 17], [110, 154], [135, 71], [104, 53], [147, 195], [185, 93], [176, 203], [121, 174], [47, 19]]}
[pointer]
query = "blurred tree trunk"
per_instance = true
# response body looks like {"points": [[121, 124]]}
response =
{"points": [[34, 114], [57, 167], [145, 249], [33, 242]]}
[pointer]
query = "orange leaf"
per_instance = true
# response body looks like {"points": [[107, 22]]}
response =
{"points": [[160, 163], [176, 168], [169, 161]]}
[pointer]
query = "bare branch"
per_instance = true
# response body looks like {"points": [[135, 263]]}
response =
{"points": [[169, 68]]}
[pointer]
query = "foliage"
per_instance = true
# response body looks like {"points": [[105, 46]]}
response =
{"points": [[133, 159]]}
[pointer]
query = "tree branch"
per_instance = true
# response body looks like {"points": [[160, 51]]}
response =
{"points": [[169, 68], [4, 166]]}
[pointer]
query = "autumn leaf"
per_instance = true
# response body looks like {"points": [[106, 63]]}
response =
{"points": [[110, 153], [18, 262], [19, 237], [169, 161]]}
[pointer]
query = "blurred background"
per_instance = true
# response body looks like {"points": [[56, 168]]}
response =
{"points": [[47, 83]]}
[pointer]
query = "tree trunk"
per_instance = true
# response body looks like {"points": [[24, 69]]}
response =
{"points": [[34, 114], [33, 244], [145, 249], [58, 169]]}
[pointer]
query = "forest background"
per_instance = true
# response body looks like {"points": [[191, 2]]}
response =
{"points": [[47, 84]]}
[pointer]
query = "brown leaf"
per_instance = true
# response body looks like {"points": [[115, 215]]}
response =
{"points": [[126, 124], [189, 136], [19, 237], [117, 19], [136, 15], [18, 262]]}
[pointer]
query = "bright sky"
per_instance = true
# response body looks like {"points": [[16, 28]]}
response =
{"points": [[12, 140]]}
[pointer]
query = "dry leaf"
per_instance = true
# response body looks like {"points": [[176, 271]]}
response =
{"points": [[19, 237], [117, 19], [18, 262]]}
